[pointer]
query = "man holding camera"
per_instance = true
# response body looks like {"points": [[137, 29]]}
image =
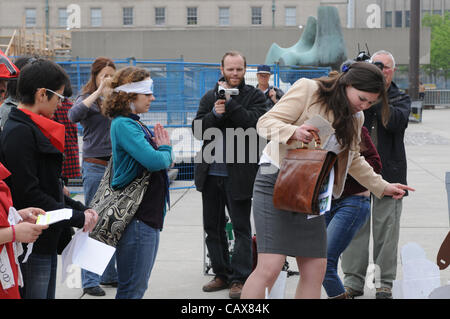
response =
{"points": [[272, 93], [226, 176], [389, 141]]}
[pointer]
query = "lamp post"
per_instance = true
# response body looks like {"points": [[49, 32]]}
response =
{"points": [[273, 14], [46, 17], [414, 43]]}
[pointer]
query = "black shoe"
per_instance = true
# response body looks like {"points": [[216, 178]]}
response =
{"points": [[112, 284], [94, 291]]}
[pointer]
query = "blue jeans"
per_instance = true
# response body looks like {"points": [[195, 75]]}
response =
{"points": [[346, 217], [136, 254], [92, 175], [39, 276]]}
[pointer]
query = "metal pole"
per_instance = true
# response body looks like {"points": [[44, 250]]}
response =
{"points": [[350, 14], [46, 17], [273, 14], [414, 44]]}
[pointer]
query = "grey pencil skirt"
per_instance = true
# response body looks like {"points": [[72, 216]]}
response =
{"points": [[284, 232]]}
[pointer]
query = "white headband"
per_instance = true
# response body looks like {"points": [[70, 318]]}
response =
{"points": [[141, 87]]}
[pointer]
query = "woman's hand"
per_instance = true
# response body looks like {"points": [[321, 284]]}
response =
{"points": [[396, 190], [105, 85], [28, 232], [90, 220], [303, 134], [161, 135], [30, 214]]}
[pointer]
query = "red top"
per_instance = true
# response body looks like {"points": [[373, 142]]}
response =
{"points": [[5, 204], [71, 164], [369, 151]]}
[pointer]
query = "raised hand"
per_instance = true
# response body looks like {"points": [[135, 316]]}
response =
{"points": [[161, 135]]}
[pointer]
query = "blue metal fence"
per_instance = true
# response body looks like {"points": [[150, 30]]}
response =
{"points": [[178, 88]]}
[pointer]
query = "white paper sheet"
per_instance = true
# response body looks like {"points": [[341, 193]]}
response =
{"points": [[88, 253], [325, 128], [54, 216], [325, 195]]}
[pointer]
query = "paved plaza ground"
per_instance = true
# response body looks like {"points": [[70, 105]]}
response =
{"points": [[179, 269]]}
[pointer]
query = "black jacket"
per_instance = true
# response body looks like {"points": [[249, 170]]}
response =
{"points": [[241, 111], [390, 138], [279, 94], [35, 181]]}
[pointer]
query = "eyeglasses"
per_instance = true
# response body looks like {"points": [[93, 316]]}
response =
{"points": [[379, 65], [61, 97]]}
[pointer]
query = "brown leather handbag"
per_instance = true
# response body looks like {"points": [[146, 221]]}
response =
{"points": [[302, 173]]}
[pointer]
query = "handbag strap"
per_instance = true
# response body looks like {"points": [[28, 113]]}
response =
{"points": [[149, 137], [316, 140], [148, 134]]}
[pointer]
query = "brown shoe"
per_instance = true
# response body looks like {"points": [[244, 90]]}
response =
{"points": [[235, 290], [215, 285]]}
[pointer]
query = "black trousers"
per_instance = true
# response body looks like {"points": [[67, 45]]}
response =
{"points": [[215, 198]]}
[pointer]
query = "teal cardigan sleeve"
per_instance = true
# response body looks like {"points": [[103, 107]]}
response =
{"points": [[130, 148]]}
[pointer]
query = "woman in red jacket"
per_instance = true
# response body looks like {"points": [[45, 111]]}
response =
{"points": [[25, 232]]}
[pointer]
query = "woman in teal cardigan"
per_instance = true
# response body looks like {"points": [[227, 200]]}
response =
{"points": [[135, 149]]}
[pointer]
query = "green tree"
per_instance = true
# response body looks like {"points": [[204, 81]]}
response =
{"points": [[440, 44]]}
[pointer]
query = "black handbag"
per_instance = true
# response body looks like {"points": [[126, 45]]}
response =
{"points": [[116, 207]]}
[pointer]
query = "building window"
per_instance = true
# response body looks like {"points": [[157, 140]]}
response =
{"points": [[62, 17], [160, 16], [291, 16], [128, 16], [256, 15], [438, 12], [30, 17], [398, 19], [388, 19], [407, 18], [191, 15], [224, 16], [96, 17]]}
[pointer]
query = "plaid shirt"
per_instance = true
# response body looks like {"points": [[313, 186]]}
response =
{"points": [[71, 164]]}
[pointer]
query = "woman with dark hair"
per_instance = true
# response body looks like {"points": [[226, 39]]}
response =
{"points": [[32, 147], [279, 233], [96, 153], [134, 149]]}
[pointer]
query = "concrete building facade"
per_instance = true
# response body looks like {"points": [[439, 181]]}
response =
{"points": [[167, 14], [201, 30]]}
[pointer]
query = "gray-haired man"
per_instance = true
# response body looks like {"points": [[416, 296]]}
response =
{"points": [[386, 211]]}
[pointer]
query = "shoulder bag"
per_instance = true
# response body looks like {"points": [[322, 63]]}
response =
{"points": [[116, 207], [302, 173]]}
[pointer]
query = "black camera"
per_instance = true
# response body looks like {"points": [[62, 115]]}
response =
{"points": [[361, 57]]}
